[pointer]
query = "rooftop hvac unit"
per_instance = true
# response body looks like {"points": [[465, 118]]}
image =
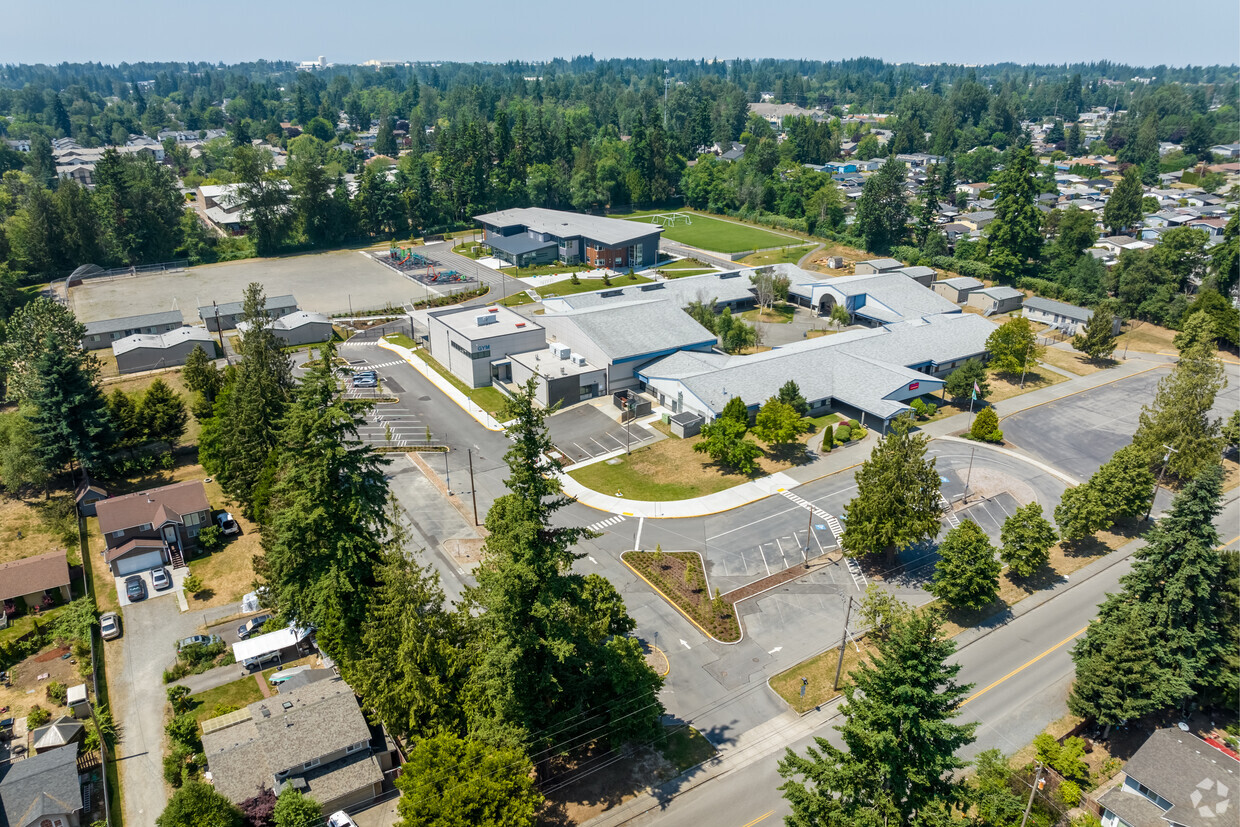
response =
{"points": [[563, 370], [561, 350], [579, 360], [485, 320]]}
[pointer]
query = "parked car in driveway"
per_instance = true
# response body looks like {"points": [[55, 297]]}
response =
{"points": [[110, 625], [340, 819], [257, 662], [135, 588], [227, 523], [252, 625], [197, 640], [160, 579]]}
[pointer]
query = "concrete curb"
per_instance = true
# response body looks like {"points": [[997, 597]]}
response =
{"points": [[1066, 478], [681, 611], [464, 402]]}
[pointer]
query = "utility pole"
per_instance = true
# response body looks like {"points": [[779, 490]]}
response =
{"points": [[839, 667], [219, 330], [968, 476], [1158, 482], [472, 493], [447, 473], [1025, 366], [1037, 777]]}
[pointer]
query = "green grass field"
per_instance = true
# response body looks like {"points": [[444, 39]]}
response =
{"points": [[722, 236]]}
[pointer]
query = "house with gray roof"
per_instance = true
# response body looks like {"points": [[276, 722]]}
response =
{"points": [[871, 299], [41, 791], [144, 351], [878, 265], [1176, 779], [868, 373], [224, 316], [533, 234], [1061, 316], [313, 739], [102, 333], [994, 300], [957, 288]]}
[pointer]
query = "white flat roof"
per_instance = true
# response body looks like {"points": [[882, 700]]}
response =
{"points": [[270, 642]]}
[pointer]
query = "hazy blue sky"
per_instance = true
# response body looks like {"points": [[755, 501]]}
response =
{"points": [[1140, 32]]}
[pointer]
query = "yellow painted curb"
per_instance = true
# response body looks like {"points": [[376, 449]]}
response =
{"points": [[667, 662], [683, 613]]}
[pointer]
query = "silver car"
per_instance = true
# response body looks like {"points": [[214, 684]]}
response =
{"points": [[160, 579], [110, 625]]}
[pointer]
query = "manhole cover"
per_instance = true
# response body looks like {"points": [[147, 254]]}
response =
{"points": [[755, 660]]}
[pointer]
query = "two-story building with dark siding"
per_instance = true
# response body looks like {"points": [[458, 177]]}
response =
{"points": [[534, 235]]}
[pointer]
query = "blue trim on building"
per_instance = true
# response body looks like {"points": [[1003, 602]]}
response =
{"points": [[658, 353]]}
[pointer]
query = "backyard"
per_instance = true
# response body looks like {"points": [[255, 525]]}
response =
{"points": [[720, 236], [229, 697]]}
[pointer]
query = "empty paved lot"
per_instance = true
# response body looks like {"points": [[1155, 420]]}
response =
{"points": [[338, 282]]}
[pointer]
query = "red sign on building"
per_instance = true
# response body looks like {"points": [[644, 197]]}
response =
{"points": [[914, 386]]}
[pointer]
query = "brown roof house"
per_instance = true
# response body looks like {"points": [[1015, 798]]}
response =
{"points": [[314, 739], [31, 578], [153, 528]]}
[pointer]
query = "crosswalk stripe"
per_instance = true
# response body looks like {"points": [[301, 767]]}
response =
{"points": [[602, 524], [952, 519]]}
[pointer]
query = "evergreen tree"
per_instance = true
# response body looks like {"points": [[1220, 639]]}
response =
{"points": [[452, 782], [736, 410], [262, 196], [410, 668], [201, 375], [1015, 235], [961, 382], [1027, 537], [1072, 143], [327, 518], [1180, 416], [70, 417], [1123, 208], [256, 402], [900, 740], [385, 140], [882, 209], [552, 646], [1225, 258], [162, 413], [985, 427], [967, 573], [897, 500], [1097, 339], [34, 327], [928, 210], [790, 393]]}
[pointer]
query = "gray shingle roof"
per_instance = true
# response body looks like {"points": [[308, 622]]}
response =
{"points": [[235, 308], [292, 321], [1189, 773], [624, 331], [1136, 810], [883, 263], [43, 785], [963, 283], [133, 322], [1000, 292], [569, 224], [161, 341], [888, 297], [1071, 311]]}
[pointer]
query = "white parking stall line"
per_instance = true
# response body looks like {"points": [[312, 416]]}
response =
{"points": [[583, 450], [858, 576], [952, 519], [768, 565], [616, 438], [599, 444]]}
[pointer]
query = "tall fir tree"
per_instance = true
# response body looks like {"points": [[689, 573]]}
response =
{"points": [[1123, 209], [1180, 416], [928, 209], [967, 573], [900, 738], [328, 516], [882, 209], [1015, 235], [70, 418]]}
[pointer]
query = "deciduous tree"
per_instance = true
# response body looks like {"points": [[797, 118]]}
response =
{"points": [[293, 809], [724, 441], [1081, 514], [985, 427], [199, 805], [897, 500], [1014, 347], [451, 782], [967, 573], [778, 422]]}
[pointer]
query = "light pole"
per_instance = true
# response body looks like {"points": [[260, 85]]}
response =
{"points": [[1158, 482], [969, 475], [1025, 366]]}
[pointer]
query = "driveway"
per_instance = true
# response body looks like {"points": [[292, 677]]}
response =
{"points": [[585, 432], [136, 663], [178, 577]]}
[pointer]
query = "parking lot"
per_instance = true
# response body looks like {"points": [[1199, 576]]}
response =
{"points": [[339, 282], [586, 432]]}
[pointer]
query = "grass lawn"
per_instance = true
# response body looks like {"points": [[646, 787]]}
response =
{"points": [[1005, 387], [686, 747], [1145, 337], [814, 334], [680, 274], [784, 255], [820, 670], [27, 528], [470, 249], [487, 398], [667, 470], [720, 236], [1077, 363], [779, 314], [685, 264], [819, 422], [401, 339], [238, 694], [544, 270], [567, 288]]}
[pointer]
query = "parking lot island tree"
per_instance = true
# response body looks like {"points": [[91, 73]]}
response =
{"points": [[897, 500], [966, 575], [1027, 537]]}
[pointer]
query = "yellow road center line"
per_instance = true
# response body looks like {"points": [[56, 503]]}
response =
{"points": [[762, 817], [1023, 666], [1229, 542]]}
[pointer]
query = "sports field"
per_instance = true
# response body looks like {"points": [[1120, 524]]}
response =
{"points": [[722, 236]]}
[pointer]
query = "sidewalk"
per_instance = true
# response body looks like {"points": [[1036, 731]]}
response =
{"points": [[449, 390]]}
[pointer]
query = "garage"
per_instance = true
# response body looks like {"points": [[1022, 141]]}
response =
{"points": [[136, 556]]}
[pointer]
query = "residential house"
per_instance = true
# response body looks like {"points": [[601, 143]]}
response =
{"points": [[1175, 779], [1067, 318], [994, 300], [102, 333], [86, 495], [957, 289], [32, 579], [1226, 150], [42, 791], [144, 351], [154, 527], [1213, 226], [976, 220], [1116, 244], [298, 328], [954, 230], [225, 316], [314, 739]]}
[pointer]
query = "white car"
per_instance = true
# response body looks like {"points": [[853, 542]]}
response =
{"points": [[340, 819], [227, 524], [110, 625]]}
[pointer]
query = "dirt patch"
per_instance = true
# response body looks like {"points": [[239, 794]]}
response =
{"points": [[681, 579], [986, 482], [28, 690], [53, 654], [1074, 362], [467, 552], [586, 793]]}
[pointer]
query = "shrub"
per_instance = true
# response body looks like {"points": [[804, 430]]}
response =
{"points": [[176, 697], [852, 423], [211, 538], [1070, 793], [575, 279], [985, 426], [37, 717], [193, 584], [57, 693], [858, 433], [183, 729], [842, 434]]}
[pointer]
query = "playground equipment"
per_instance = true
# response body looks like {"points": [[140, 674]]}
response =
{"points": [[420, 268], [406, 259]]}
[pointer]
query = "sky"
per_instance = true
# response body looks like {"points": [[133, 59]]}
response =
{"points": [[1137, 32]]}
